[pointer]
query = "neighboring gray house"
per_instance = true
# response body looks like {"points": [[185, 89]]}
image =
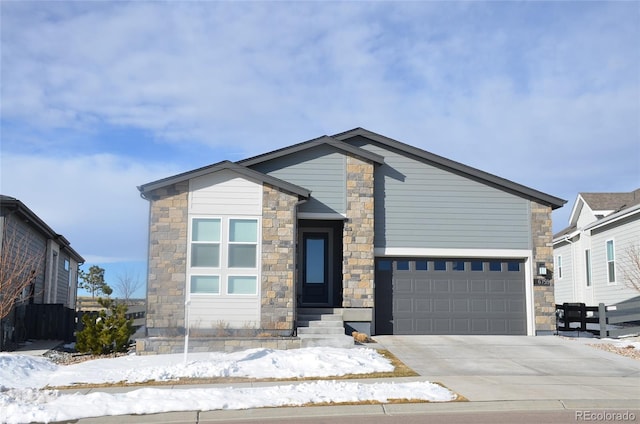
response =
{"points": [[393, 239], [592, 255], [25, 238]]}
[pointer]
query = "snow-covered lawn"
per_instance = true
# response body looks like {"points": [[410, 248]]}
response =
{"points": [[24, 399]]}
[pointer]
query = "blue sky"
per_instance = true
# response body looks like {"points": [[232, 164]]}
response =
{"points": [[100, 97]]}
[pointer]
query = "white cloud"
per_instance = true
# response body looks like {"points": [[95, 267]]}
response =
{"points": [[545, 94], [91, 200]]}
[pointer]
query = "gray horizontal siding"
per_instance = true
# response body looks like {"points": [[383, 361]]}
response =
{"points": [[21, 241], [419, 205], [321, 169]]}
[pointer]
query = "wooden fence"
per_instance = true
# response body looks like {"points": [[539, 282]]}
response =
{"points": [[624, 316]]}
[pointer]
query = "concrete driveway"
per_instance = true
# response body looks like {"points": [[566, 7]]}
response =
{"points": [[503, 368]]}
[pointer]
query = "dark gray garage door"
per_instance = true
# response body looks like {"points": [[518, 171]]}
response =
{"points": [[450, 296]]}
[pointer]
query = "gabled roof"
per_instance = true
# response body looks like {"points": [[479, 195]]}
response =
{"points": [[16, 206], [624, 213], [554, 202], [611, 201], [145, 189], [324, 140], [601, 203]]}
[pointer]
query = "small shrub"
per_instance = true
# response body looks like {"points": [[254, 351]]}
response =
{"points": [[107, 332]]}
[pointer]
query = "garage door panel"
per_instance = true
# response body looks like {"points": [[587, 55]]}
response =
{"points": [[403, 305], [497, 286], [461, 306], [461, 326], [458, 286], [441, 305], [403, 286], [441, 286], [479, 306], [441, 326], [403, 326], [454, 299], [422, 305], [498, 305], [478, 286], [422, 286]]}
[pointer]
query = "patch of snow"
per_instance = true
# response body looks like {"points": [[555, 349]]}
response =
{"points": [[23, 377]]}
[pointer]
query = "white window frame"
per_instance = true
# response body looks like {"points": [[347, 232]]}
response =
{"points": [[224, 271], [608, 261]]}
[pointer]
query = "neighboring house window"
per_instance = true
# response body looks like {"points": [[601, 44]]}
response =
{"points": [[587, 264], [611, 262], [224, 256], [559, 266]]}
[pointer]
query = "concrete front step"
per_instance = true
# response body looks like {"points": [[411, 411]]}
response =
{"points": [[321, 330], [319, 317], [325, 324], [314, 340], [322, 327]]}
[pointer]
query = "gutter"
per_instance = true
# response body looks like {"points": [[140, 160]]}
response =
{"points": [[294, 330]]}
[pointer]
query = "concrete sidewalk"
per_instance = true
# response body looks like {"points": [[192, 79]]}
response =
{"points": [[494, 373]]}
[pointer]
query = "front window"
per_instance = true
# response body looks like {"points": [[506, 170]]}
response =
{"points": [[205, 243], [223, 256], [611, 262], [243, 243]]}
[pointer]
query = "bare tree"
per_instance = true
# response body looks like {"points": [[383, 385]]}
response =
{"points": [[19, 267], [127, 284], [631, 267]]}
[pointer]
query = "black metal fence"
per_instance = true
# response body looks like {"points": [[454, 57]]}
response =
{"points": [[52, 322]]}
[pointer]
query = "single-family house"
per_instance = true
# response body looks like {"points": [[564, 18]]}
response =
{"points": [[597, 256], [43, 266], [390, 237]]}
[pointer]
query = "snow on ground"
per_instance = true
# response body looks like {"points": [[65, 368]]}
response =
{"points": [[23, 399]]}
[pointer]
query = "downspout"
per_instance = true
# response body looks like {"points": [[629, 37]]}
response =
{"points": [[294, 330], [573, 267]]}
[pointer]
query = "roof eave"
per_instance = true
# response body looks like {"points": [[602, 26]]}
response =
{"points": [[547, 199], [145, 189], [311, 144]]}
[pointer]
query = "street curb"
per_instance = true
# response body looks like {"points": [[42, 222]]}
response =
{"points": [[201, 417]]}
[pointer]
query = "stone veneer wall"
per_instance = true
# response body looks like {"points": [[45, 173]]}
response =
{"points": [[168, 345], [278, 261], [542, 240], [167, 260], [358, 255]]}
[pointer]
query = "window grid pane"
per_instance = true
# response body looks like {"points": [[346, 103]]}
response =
{"points": [[243, 230], [207, 284], [476, 266], [205, 255], [242, 285], [206, 230], [242, 255]]}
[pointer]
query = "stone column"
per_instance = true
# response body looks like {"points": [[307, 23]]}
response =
{"points": [[542, 244], [358, 254], [278, 261], [166, 282]]}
